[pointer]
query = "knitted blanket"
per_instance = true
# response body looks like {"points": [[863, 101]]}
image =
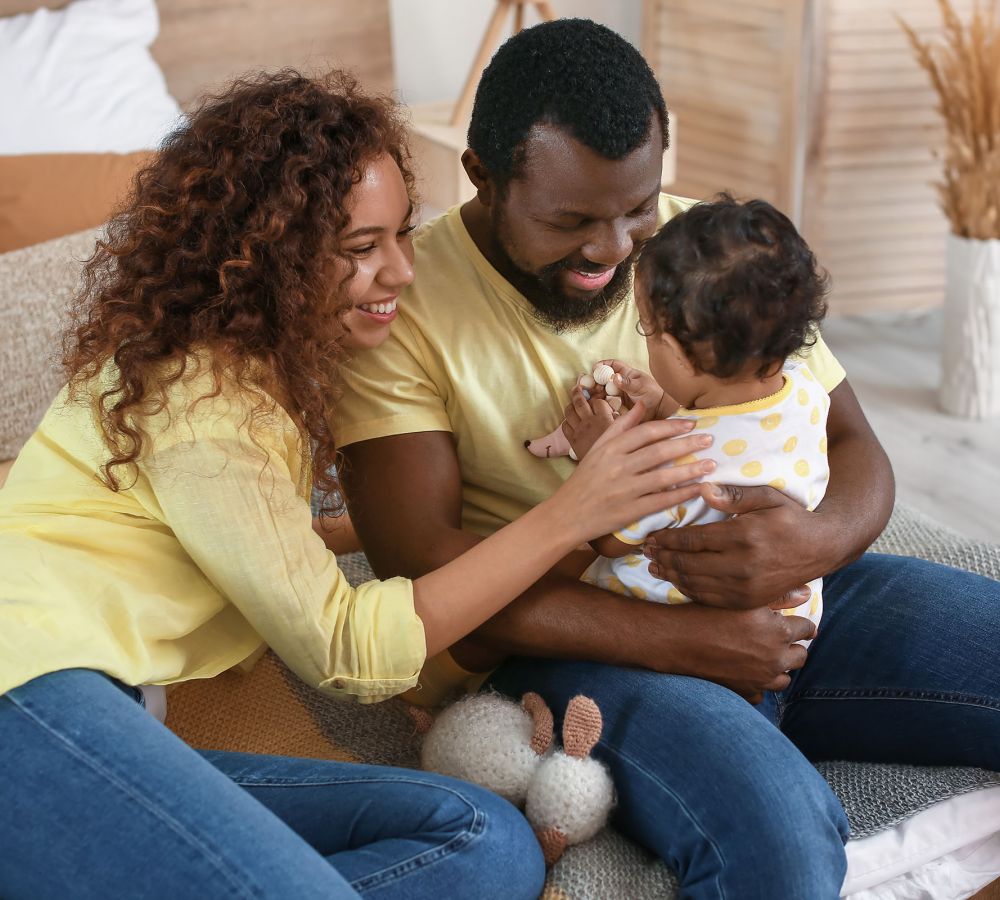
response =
{"points": [[269, 710]]}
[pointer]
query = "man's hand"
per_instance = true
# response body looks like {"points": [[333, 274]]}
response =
{"points": [[585, 421], [760, 558], [748, 651], [773, 546]]}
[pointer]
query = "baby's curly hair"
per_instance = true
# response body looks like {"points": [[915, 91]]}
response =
{"points": [[735, 284], [225, 243]]}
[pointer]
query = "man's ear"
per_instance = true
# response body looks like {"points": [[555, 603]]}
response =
{"points": [[479, 177]]}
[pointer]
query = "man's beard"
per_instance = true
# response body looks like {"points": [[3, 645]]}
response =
{"points": [[544, 292]]}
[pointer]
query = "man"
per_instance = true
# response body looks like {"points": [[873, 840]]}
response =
{"points": [[517, 292]]}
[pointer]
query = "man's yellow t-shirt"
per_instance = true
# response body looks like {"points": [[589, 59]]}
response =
{"points": [[467, 355]]}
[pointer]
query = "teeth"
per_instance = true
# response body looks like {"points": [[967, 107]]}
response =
{"points": [[381, 308]]}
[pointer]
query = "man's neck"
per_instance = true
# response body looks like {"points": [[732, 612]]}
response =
{"points": [[476, 219]]}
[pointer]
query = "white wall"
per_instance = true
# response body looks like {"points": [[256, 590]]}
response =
{"points": [[435, 41]]}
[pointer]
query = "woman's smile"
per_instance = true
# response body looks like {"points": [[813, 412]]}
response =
{"points": [[382, 311]]}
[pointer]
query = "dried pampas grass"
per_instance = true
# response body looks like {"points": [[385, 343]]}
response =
{"points": [[965, 72]]}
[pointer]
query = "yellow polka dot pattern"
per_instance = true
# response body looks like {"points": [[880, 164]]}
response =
{"points": [[788, 451], [614, 584]]}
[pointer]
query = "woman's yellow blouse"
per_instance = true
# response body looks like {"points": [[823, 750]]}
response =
{"points": [[189, 568]]}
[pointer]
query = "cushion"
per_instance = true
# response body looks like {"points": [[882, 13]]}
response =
{"points": [[36, 286], [44, 196], [82, 80]]}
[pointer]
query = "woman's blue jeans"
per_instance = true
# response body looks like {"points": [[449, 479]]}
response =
{"points": [[99, 800], [906, 669]]}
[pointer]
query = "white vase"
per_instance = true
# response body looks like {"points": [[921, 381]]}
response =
{"points": [[970, 351]]}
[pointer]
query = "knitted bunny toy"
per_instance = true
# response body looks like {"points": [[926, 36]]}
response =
{"points": [[494, 742], [555, 442]]}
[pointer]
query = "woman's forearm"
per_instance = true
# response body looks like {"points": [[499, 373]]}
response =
{"points": [[458, 597]]}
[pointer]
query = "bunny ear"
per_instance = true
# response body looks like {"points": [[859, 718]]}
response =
{"points": [[553, 843], [422, 720], [541, 738], [581, 726]]}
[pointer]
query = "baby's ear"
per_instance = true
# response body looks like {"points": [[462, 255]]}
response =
{"points": [[678, 351], [541, 716], [581, 727]]}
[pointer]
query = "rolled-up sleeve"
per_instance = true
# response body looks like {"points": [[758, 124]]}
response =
{"points": [[233, 505]]}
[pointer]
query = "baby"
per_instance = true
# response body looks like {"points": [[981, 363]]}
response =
{"points": [[728, 294]]}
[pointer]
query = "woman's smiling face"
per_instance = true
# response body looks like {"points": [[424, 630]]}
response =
{"points": [[377, 240]]}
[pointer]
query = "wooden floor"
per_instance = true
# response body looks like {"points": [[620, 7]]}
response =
{"points": [[945, 466]]}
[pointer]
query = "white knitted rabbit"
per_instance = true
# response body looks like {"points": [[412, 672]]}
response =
{"points": [[494, 742]]}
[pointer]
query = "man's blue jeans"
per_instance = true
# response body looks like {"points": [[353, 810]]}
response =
{"points": [[99, 800], [906, 669]]}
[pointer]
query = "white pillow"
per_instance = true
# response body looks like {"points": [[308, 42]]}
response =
{"points": [[82, 80], [945, 852]]}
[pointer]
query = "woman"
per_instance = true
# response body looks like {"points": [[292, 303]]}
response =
{"points": [[155, 529]]}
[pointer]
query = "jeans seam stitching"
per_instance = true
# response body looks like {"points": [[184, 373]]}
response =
{"points": [[427, 857], [613, 751], [982, 702], [172, 823]]}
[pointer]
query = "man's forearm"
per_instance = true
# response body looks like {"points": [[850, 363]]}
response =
{"points": [[559, 616], [859, 499], [564, 618]]}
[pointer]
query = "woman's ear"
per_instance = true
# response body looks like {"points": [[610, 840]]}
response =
{"points": [[673, 345], [479, 177]]}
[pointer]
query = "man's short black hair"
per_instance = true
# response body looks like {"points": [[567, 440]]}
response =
{"points": [[735, 284], [572, 73]]}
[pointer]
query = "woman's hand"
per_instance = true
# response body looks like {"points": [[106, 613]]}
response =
{"points": [[640, 387], [626, 475]]}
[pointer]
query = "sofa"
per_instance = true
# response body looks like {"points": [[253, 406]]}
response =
{"points": [[269, 710]]}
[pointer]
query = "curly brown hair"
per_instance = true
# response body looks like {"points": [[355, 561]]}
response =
{"points": [[735, 284], [225, 243]]}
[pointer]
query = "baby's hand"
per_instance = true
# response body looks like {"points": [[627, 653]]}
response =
{"points": [[636, 385], [585, 421]]}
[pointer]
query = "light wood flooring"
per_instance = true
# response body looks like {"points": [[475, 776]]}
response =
{"points": [[946, 467]]}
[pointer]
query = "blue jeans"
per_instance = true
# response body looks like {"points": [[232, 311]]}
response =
{"points": [[99, 800], [906, 668]]}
